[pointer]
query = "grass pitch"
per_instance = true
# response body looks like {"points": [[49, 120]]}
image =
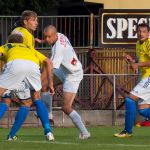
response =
{"points": [[67, 139]]}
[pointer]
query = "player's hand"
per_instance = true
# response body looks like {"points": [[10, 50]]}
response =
{"points": [[39, 40], [128, 58], [135, 67], [51, 89]]}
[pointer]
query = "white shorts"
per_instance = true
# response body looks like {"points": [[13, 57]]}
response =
{"points": [[142, 90], [70, 81], [19, 70], [23, 93]]}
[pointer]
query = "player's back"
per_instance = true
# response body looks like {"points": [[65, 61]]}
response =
{"points": [[13, 51], [28, 38]]}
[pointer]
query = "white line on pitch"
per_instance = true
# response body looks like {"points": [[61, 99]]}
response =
{"points": [[49, 142], [123, 145], [71, 143]]}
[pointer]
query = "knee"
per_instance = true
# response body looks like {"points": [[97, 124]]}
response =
{"points": [[7, 101], [44, 89], [129, 100], [144, 112], [36, 95], [66, 109], [27, 103], [130, 105], [141, 112]]}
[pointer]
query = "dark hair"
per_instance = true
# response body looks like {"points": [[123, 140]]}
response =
{"points": [[27, 14], [143, 25], [15, 38]]}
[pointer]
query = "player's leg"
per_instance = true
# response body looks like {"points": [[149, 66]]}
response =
{"points": [[20, 118], [73, 114], [42, 112], [139, 92], [46, 97], [144, 110], [4, 101], [10, 79], [130, 116], [34, 81]]}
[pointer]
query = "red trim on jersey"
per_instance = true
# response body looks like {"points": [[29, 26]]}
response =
{"points": [[62, 40]]}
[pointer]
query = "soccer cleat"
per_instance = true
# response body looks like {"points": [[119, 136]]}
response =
{"points": [[50, 136], [123, 134], [14, 138], [84, 136]]}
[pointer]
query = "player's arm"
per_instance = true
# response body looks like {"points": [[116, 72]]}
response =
{"points": [[1, 54], [136, 65], [49, 69], [129, 59], [3, 50], [39, 40], [57, 56]]}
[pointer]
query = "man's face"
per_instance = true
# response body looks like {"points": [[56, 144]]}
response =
{"points": [[31, 23], [143, 34], [50, 37]]}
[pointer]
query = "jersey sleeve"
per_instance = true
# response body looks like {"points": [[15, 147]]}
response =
{"points": [[57, 55]]}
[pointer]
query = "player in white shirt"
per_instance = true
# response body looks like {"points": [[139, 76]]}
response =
{"points": [[68, 69]]}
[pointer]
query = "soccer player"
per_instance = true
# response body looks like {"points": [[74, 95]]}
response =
{"points": [[68, 70], [141, 92], [22, 74], [27, 25]]}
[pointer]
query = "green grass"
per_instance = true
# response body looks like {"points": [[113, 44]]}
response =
{"points": [[66, 139]]}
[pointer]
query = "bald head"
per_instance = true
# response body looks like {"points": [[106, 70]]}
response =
{"points": [[50, 28], [50, 34]]}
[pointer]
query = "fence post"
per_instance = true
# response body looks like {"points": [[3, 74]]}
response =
{"points": [[114, 102], [91, 29]]}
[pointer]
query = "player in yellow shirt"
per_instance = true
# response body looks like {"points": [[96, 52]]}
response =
{"points": [[28, 24], [20, 76], [141, 92]]}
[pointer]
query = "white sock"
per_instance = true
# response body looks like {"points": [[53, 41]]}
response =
{"points": [[47, 99], [76, 119], [50, 115]]}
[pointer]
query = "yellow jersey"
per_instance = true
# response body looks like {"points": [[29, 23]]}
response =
{"points": [[12, 51], [28, 38], [143, 54]]}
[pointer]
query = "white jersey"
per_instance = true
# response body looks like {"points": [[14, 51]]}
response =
{"points": [[64, 55]]}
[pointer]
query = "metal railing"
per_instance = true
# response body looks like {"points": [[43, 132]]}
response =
{"points": [[76, 28], [116, 99]]}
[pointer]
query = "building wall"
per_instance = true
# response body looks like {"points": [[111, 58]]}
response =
{"points": [[123, 4]]}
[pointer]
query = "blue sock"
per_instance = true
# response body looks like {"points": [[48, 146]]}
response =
{"points": [[130, 114], [43, 115], [19, 120], [145, 112], [3, 108]]}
